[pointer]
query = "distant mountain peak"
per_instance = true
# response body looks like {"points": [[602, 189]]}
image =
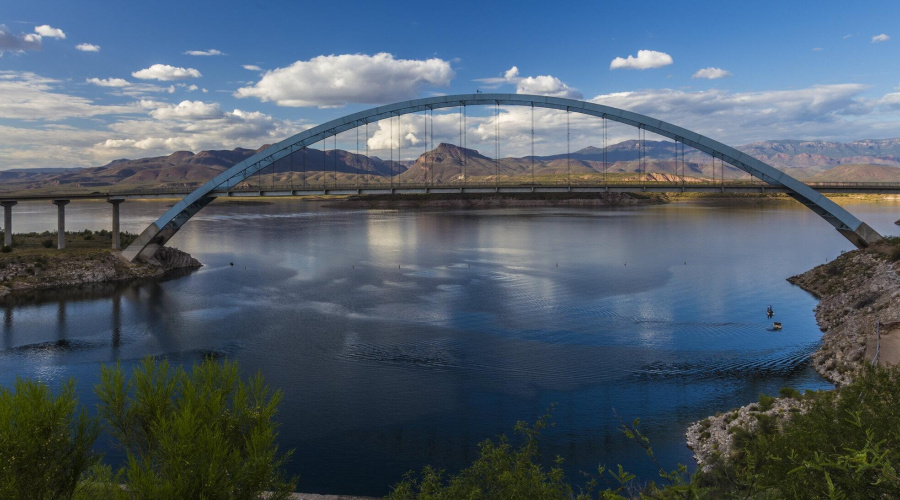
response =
{"points": [[445, 152]]}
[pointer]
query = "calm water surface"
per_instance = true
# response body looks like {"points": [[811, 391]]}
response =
{"points": [[404, 338]]}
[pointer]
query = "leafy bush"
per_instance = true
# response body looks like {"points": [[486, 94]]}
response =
{"points": [[846, 445], [45, 445], [47, 243], [5, 249], [765, 402], [499, 472], [203, 434], [789, 392]]}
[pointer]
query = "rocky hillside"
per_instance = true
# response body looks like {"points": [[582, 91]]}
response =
{"points": [[856, 292], [858, 173], [870, 161]]}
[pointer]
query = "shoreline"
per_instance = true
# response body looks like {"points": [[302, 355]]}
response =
{"points": [[498, 200], [859, 297], [61, 272]]}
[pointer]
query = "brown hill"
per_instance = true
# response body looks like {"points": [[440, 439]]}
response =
{"points": [[869, 161], [858, 173]]}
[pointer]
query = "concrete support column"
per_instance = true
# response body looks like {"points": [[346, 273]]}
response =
{"points": [[61, 222], [116, 244], [7, 221]]}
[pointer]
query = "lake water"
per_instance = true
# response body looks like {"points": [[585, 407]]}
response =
{"points": [[403, 338]]}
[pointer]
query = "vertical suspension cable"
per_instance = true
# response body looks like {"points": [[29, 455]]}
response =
{"points": [[605, 146], [460, 112], [644, 152], [568, 152], [465, 145], [335, 155], [431, 166], [640, 156], [358, 176], [425, 140], [497, 143], [369, 175], [532, 143], [399, 148], [391, 145]]}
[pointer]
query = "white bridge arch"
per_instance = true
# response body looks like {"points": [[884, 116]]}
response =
{"points": [[159, 232]]}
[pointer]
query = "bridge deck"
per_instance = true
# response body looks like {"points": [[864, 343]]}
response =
{"points": [[485, 188]]}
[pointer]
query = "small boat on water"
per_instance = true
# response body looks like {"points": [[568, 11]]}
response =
{"points": [[769, 311], [776, 325]]}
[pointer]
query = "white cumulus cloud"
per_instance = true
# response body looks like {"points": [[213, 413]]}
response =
{"points": [[880, 38], [47, 31], [9, 41], [825, 111], [252, 67], [188, 110], [338, 80], [87, 47], [166, 73], [27, 96], [210, 52], [109, 82], [192, 125], [711, 73], [546, 85], [537, 85], [646, 59]]}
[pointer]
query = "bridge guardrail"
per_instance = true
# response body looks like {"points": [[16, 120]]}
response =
{"points": [[344, 186]]}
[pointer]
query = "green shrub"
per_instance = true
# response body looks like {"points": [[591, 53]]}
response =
{"points": [[47, 243], [45, 445], [789, 392], [203, 434], [846, 445], [500, 471], [5, 249], [765, 402]]}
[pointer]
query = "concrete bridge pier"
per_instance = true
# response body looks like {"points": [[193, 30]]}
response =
{"points": [[7, 222], [116, 244], [61, 222]]}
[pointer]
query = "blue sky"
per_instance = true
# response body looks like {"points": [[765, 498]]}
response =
{"points": [[82, 83]]}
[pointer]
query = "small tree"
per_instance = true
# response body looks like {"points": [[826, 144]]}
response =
{"points": [[44, 446], [500, 472], [203, 434]]}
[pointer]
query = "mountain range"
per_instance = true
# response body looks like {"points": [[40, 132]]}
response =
{"points": [[864, 160]]}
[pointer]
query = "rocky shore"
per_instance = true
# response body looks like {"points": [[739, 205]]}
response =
{"points": [[32, 272], [457, 201], [859, 298]]}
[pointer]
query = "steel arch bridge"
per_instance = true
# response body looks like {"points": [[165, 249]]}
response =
{"points": [[158, 233]]}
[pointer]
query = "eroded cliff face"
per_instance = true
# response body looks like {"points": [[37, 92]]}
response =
{"points": [[856, 292], [56, 270]]}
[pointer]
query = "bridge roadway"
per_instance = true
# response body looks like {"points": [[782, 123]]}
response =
{"points": [[470, 188], [115, 198]]}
